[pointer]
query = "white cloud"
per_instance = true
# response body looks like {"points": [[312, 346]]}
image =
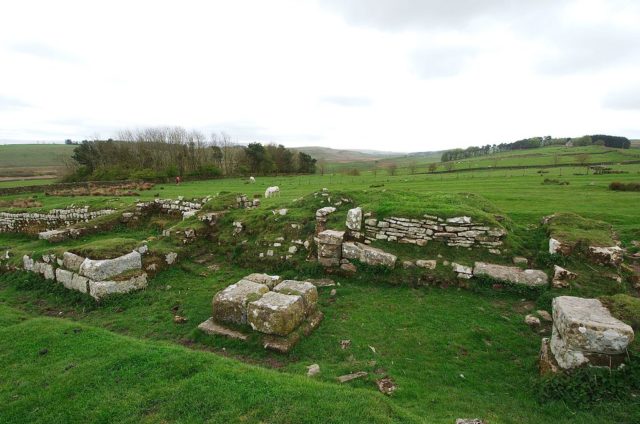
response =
{"points": [[391, 75]]}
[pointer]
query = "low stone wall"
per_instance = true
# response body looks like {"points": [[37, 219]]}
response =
{"points": [[459, 231], [172, 207], [32, 222], [6, 191]]}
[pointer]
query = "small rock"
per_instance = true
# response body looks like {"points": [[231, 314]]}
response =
{"points": [[349, 268], [349, 377], [532, 321], [520, 260], [345, 344], [469, 421], [313, 370], [333, 293], [386, 385], [546, 316], [178, 319], [407, 264]]}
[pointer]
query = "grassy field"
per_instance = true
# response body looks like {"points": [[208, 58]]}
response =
{"points": [[33, 160], [453, 352]]}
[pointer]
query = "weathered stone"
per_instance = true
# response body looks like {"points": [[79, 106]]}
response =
{"points": [[230, 304], [532, 321], [323, 212], [276, 313], [408, 264], [562, 276], [71, 261], [351, 250], [100, 289], [349, 267], [546, 316], [426, 263], [329, 250], [98, 270], [547, 362], [214, 328], [373, 256], [461, 269], [348, 377], [331, 237], [170, 258], [63, 276], [354, 219], [371, 222], [27, 263], [587, 325], [459, 220], [268, 280], [527, 277], [469, 421], [329, 262], [54, 236], [306, 290], [313, 370], [606, 255], [519, 260]]}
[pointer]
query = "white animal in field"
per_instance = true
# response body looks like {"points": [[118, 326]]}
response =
{"points": [[272, 191], [252, 180]]}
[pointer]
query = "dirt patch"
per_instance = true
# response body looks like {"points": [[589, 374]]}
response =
{"points": [[20, 203]]}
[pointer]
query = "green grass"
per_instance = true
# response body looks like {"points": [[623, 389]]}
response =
{"points": [[573, 229], [34, 155]]}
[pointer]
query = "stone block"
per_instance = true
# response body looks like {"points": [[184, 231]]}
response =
{"points": [[71, 261], [100, 289], [351, 250], [99, 270], [276, 313], [268, 280], [527, 277], [331, 237], [306, 290], [354, 219], [230, 304], [427, 264], [587, 325]]}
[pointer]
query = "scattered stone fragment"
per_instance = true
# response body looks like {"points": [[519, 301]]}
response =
{"points": [[427, 264], [606, 255], [386, 385], [532, 321], [268, 280], [171, 257], [469, 421], [213, 328], [349, 377], [178, 319], [561, 277], [313, 370], [345, 344], [520, 260], [333, 293], [546, 316], [408, 264], [322, 282], [349, 267]]}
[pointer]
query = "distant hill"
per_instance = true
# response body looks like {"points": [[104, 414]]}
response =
{"points": [[338, 155], [31, 160]]}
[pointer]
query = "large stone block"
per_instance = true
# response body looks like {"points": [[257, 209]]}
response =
{"points": [[100, 289], [71, 261], [71, 280], [586, 325], [308, 291], [268, 280], [331, 237], [351, 250], [354, 219], [527, 277], [276, 313], [27, 263], [103, 269], [330, 251], [230, 304], [374, 256]]}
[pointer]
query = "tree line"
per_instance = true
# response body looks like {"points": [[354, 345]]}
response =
{"points": [[534, 143], [168, 152]]}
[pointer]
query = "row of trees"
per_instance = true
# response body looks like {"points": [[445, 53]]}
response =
{"points": [[166, 152], [534, 143]]}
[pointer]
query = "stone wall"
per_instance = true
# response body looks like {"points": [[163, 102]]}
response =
{"points": [[172, 207], [33, 222], [459, 231]]}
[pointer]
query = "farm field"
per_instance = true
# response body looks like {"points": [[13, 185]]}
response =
{"points": [[452, 351]]}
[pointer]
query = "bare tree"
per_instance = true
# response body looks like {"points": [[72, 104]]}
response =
{"points": [[432, 167], [583, 158], [392, 168]]}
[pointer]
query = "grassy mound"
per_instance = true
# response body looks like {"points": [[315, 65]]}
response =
{"points": [[58, 371], [573, 229]]}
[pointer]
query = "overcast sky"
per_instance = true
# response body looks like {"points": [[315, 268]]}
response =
{"points": [[400, 75]]}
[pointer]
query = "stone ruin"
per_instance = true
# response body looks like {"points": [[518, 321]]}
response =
{"points": [[333, 251], [244, 202], [584, 334], [35, 222], [97, 278], [280, 311], [181, 207]]}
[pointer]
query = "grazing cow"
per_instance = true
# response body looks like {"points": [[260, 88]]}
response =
{"points": [[272, 191], [252, 180]]}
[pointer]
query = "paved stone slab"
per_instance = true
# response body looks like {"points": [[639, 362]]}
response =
{"points": [[213, 328], [527, 277]]}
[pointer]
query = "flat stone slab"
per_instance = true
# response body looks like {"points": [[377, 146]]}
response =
{"points": [[100, 289], [367, 254], [331, 237], [230, 304], [216, 329], [349, 377], [54, 236], [308, 291], [266, 279], [587, 325], [322, 282], [512, 274], [104, 269], [276, 313]]}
